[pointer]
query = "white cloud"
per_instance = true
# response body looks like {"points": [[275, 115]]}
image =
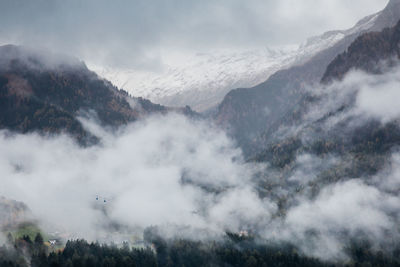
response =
{"points": [[379, 95], [151, 173]]}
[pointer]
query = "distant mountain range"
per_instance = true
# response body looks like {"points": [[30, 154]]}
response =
{"points": [[202, 80]]}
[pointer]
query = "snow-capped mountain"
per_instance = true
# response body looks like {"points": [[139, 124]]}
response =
{"points": [[203, 79]]}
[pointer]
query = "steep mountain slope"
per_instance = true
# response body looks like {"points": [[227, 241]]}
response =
{"points": [[390, 16], [46, 92], [247, 113]]}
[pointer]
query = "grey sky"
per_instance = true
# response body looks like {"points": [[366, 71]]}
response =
{"points": [[135, 33]]}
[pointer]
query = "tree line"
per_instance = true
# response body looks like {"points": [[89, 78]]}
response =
{"points": [[234, 251]]}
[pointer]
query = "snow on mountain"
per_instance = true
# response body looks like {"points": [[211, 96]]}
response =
{"points": [[201, 80]]}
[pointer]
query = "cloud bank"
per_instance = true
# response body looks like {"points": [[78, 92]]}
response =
{"points": [[136, 34], [188, 179], [166, 170]]}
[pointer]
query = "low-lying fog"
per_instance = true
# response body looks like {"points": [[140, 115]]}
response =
{"points": [[189, 179]]}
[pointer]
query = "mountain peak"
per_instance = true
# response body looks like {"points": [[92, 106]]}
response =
{"points": [[389, 16]]}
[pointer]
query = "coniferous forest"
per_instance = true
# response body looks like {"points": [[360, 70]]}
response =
{"points": [[235, 251]]}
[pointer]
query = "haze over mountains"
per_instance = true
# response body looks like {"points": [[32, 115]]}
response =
{"points": [[301, 169], [202, 80]]}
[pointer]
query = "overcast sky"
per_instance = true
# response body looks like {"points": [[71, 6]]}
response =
{"points": [[136, 33]]}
